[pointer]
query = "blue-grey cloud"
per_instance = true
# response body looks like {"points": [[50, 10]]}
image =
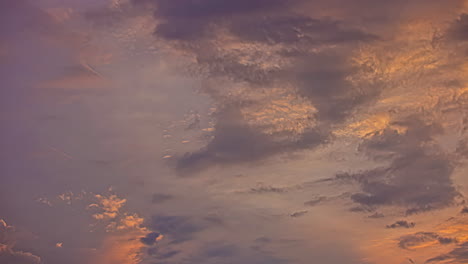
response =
{"points": [[401, 224]]}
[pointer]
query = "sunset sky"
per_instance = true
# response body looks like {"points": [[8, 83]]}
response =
{"points": [[234, 131]]}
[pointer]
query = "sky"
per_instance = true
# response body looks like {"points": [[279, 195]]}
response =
{"points": [[233, 131]]}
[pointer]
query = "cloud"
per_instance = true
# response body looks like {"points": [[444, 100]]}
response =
{"points": [[376, 215], [258, 58], [459, 29], [225, 252], [316, 201], [158, 198], [177, 228], [401, 224], [151, 238], [458, 255], [187, 20], [8, 254], [296, 29], [77, 77], [420, 239], [298, 214], [103, 229], [235, 141], [418, 176]]}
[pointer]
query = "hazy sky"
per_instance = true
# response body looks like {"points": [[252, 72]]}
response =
{"points": [[233, 131]]}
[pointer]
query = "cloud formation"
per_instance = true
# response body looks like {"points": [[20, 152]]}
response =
{"points": [[401, 224], [8, 254], [419, 175], [418, 239], [458, 255]]}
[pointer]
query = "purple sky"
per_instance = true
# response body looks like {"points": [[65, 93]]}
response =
{"points": [[233, 131]]}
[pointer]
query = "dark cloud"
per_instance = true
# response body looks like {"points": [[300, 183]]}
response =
{"points": [[464, 210], [447, 240], [418, 177], [418, 210], [298, 214], [316, 201], [361, 209], [268, 189], [458, 255], [376, 215], [158, 198], [9, 256], [459, 29], [162, 252], [220, 251], [190, 20], [321, 77], [413, 240], [296, 29], [168, 254], [234, 141], [401, 224], [179, 228], [263, 240], [224, 252], [150, 238]]}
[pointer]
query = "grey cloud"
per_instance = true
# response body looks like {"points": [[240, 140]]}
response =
{"points": [[296, 29], [416, 239], [220, 251], [168, 254], [263, 240], [417, 177], [361, 209], [401, 224], [150, 238], [408, 241], [316, 201], [298, 214], [464, 210], [223, 252], [189, 20], [268, 189], [458, 255], [418, 210], [234, 141], [447, 240], [179, 228], [158, 198], [459, 29], [323, 79], [320, 77], [9, 256], [376, 215]]}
